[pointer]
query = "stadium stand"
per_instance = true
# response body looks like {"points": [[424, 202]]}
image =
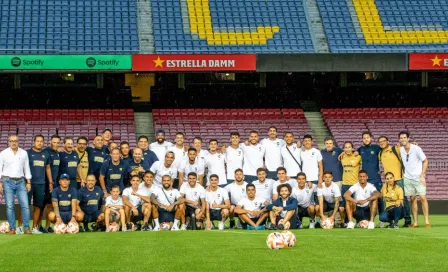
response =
{"points": [[59, 27], [219, 123], [427, 126]]}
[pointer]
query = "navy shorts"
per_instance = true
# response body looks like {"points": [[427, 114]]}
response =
{"points": [[344, 189], [302, 212], [47, 196], [165, 216], [37, 193], [215, 215], [91, 217], [136, 218], [66, 217], [328, 207], [189, 211], [362, 213]]}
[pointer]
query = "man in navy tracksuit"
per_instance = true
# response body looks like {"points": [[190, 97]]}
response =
{"points": [[282, 211]]}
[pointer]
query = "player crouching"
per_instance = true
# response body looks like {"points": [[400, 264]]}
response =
{"points": [[328, 197], [91, 204], [136, 206], [194, 195], [114, 210], [218, 203], [283, 210], [251, 210]]}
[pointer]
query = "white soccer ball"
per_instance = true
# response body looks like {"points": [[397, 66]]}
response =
{"points": [[363, 224], [60, 228], [327, 224], [72, 228], [275, 240], [4, 227], [289, 238], [165, 226], [114, 227]]}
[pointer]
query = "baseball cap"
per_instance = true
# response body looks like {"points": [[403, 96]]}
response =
{"points": [[160, 131], [64, 176]]}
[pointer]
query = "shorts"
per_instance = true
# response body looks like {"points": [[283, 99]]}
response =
{"points": [[91, 217], [215, 215], [37, 193], [362, 213], [344, 189], [328, 207], [139, 217], [165, 216], [66, 217], [190, 211], [414, 187], [47, 196], [302, 212]]}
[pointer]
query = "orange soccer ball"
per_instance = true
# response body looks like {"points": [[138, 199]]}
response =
{"points": [[327, 224]]}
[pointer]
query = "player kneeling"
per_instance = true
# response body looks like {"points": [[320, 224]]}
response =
{"points": [[194, 195], [169, 203], [65, 203], [251, 210], [136, 206], [305, 197], [114, 210], [365, 201], [218, 203], [283, 210], [91, 204]]}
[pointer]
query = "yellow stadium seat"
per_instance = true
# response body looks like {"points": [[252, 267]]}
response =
{"points": [[218, 42], [263, 41], [275, 29]]}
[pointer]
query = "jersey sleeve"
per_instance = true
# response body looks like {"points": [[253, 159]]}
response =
{"points": [[225, 196], [79, 194], [353, 188], [337, 191], [318, 156], [178, 195], [228, 188], [127, 192], [201, 169], [101, 201], [400, 194], [182, 188], [372, 188], [120, 202], [320, 192], [74, 193], [182, 165], [421, 155], [202, 193], [108, 200], [154, 167], [103, 170], [54, 196], [241, 203]]}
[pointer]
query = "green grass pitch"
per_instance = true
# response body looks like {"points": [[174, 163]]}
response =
{"points": [[231, 250]]}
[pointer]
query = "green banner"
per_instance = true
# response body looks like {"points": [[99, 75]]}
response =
{"points": [[65, 62]]}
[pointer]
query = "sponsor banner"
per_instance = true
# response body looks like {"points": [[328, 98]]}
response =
{"points": [[65, 62], [432, 61], [205, 62]]}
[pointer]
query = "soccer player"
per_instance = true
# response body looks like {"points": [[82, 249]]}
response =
{"points": [[330, 158], [137, 164], [145, 189], [179, 149], [215, 163], [251, 210], [106, 137], [161, 146], [237, 191], [254, 153], [114, 209], [311, 161], [218, 204], [415, 166], [39, 166], [304, 194], [282, 179], [364, 203], [81, 145], [197, 144], [70, 163], [96, 156], [111, 147], [329, 197], [234, 156], [390, 158], [149, 156], [273, 156], [351, 164], [169, 202], [136, 206], [125, 152], [283, 208], [291, 155], [91, 204], [164, 168], [263, 186], [113, 172], [393, 197], [65, 203], [192, 164], [194, 195]]}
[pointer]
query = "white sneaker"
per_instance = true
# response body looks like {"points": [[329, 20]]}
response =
{"points": [[36, 231], [183, 227], [175, 228], [149, 228], [380, 225], [371, 225], [19, 230], [221, 225], [107, 230], [350, 225], [124, 229], [156, 228], [311, 225]]}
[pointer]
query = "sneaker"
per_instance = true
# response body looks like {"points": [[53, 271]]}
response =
{"points": [[138, 226], [232, 224], [19, 230], [81, 229], [145, 227], [371, 225], [312, 225], [221, 225], [175, 228], [343, 225], [281, 227], [183, 227], [249, 227], [156, 228], [317, 225], [50, 230], [272, 227], [125, 229], [301, 226], [95, 227], [260, 227], [107, 230], [407, 224], [149, 228], [43, 230], [36, 231], [350, 225], [381, 225], [392, 226]]}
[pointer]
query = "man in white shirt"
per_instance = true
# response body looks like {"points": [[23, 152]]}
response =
{"points": [[311, 161], [14, 170], [194, 195], [273, 158], [218, 204], [254, 153], [191, 164], [364, 203], [201, 153], [304, 194], [136, 206], [160, 147], [169, 202], [179, 149], [164, 167], [282, 179], [215, 163], [252, 210], [263, 186], [237, 191], [291, 155], [328, 198], [415, 166], [234, 156], [145, 189]]}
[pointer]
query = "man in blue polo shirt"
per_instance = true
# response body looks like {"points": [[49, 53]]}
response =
{"points": [[331, 162], [148, 155], [96, 156], [91, 204], [70, 162], [107, 138], [114, 172]]}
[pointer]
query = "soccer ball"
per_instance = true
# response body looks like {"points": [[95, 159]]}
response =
{"points": [[286, 225], [289, 238], [275, 240], [114, 227], [363, 224], [4, 227], [327, 224], [165, 226], [72, 228], [60, 228]]}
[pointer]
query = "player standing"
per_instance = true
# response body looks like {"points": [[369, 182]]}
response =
{"points": [[137, 164], [273, 156], [125, 151], [254, 153], [113, 172], [215, 163], [161, 146], [148, 155], [234, 156], [81, 145], [96, 156], [291, 155], [311, 161], [70, 163]]}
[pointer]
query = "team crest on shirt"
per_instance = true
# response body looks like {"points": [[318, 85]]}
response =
{"points": [[219, 195], [74, 156], [259, 148], [195, 193], [219, 156], [171, 194], [256, 203], [307, 191], [278, 143], [97, 194], [266, 186], [239, 152], [43, 156], [195, 169], [333, 153], [372, 152], [312, 153], [121, 169], [166, 147], [170, 172], [69, 195]]}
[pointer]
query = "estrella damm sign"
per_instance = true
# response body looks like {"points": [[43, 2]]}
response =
{"points": [[428, 61], [65, 62]]}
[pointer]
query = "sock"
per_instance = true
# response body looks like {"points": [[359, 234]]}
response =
{"points": [[156, 221], [311, 221], [176, 222]]}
